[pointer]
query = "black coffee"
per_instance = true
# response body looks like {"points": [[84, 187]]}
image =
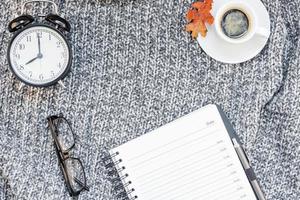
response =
{"points": [[235, 23]]}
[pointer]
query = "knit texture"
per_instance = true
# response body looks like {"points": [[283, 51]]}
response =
{"points": [[136, 69]]}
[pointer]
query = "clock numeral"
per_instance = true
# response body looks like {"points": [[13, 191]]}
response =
{"points": [[21, 67], [58, 43], [30, 74], [17, 56], [59, 65], [40, 34], [63, 54], [28, 38], [41, 77], [49, 36], [52, 73], [21, 46]]}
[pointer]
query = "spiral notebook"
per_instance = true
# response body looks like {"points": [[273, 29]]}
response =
{"points": [[190, 158]]}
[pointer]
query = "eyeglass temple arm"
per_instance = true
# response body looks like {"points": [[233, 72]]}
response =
{"points": [[81, 184]]}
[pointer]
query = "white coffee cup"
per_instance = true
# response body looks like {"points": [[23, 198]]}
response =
{"points": [[253, 28]]}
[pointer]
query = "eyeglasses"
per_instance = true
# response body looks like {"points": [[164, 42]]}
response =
{"points": [[71, 167]]}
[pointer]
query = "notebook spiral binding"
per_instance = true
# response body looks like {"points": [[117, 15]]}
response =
{"points": [[120, 179]]}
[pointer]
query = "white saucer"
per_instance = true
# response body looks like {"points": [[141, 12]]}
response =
{"points": [[227, 52]]}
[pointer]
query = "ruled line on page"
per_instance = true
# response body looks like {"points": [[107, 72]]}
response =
{"points": [[198, 191], [186, 164], [213, 164], [184, 182], [209, 149], [217, 187], [172, 149], [217, 183], [171, 142], [229, 194], [180, 186], [220, 190], [174, 179]]}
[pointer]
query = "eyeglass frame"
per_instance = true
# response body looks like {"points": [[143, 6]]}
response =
{"points": [[63, 155]]}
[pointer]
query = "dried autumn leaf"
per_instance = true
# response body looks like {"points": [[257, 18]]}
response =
{"points": [[192, 14], [197, 27], [203, 5], [209, 18], [198, 15]]}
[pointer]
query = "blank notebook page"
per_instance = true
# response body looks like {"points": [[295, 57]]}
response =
{"points": [[189, 158]]}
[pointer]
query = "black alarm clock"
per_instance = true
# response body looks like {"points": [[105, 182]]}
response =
{"points": [[39, 53]]}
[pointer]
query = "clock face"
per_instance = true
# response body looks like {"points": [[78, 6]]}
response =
{"points": [[39, 55]]}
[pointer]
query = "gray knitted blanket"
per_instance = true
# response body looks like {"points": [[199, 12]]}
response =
{"points": [[136, 69]]}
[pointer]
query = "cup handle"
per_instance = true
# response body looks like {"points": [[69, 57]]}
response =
{"points": [[263, 32]]}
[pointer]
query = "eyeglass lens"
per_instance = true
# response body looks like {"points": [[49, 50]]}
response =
{"points": [[64, 133]]}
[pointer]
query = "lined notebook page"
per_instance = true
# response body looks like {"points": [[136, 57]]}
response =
{"points": [[191, 158]]}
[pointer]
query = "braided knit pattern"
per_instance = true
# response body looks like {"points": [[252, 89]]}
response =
{"points": [[136, 69]]}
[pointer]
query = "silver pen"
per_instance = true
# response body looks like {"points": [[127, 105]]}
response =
{"points": [[244, 160]]}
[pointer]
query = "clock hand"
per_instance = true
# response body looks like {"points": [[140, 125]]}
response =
{"points": [[30, 61], [39, 46]]}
